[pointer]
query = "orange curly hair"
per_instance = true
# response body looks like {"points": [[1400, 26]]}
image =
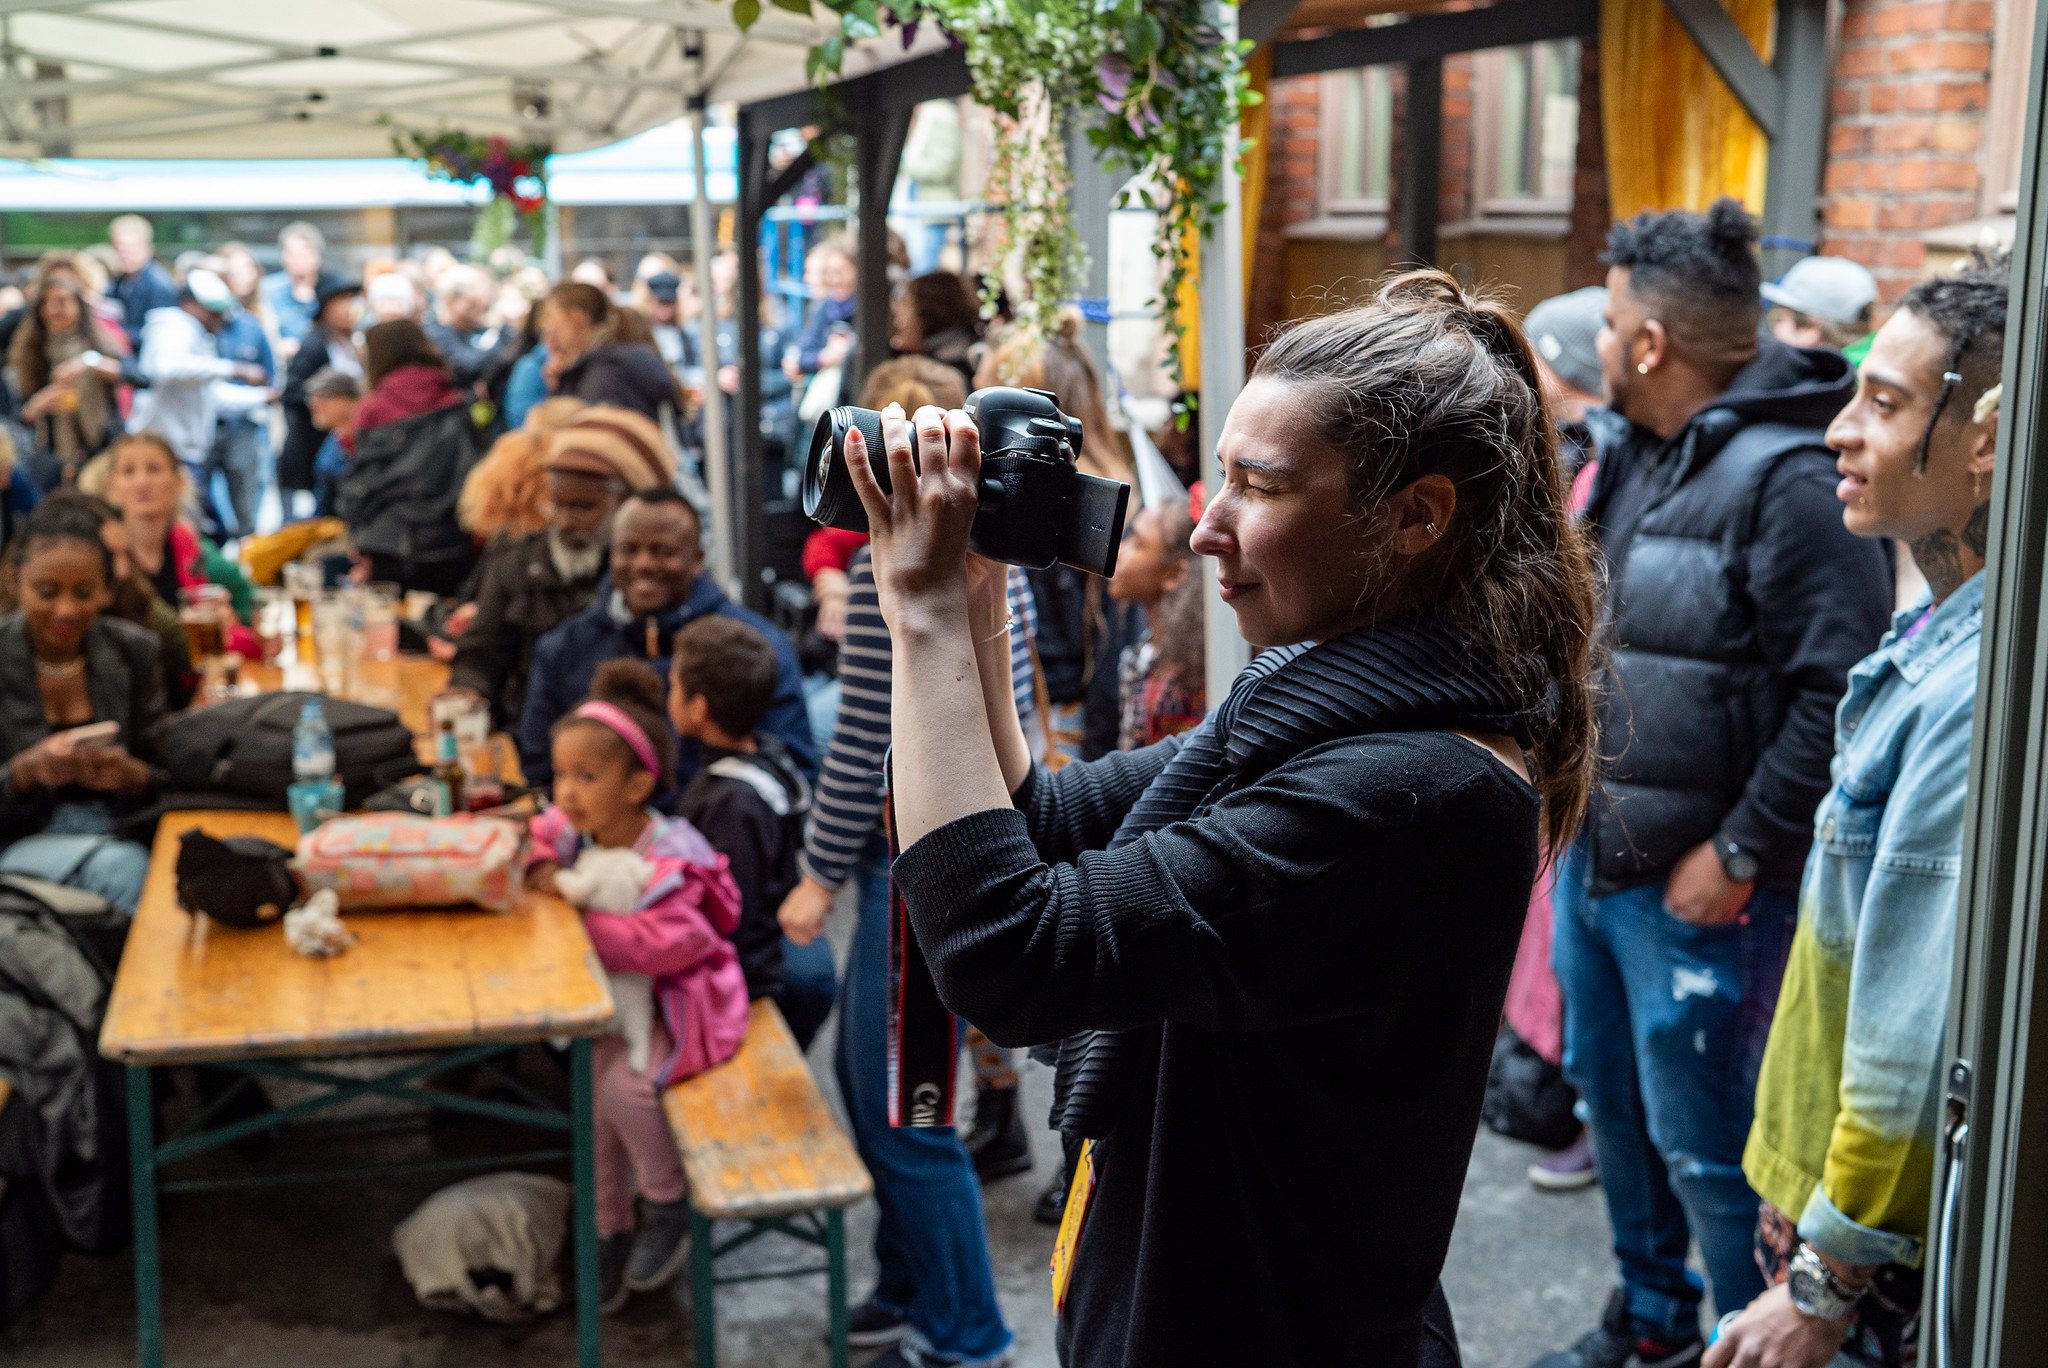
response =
{"points": [[505, 494]]}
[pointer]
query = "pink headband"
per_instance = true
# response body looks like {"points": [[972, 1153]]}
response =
{"points": [[629, 731]]}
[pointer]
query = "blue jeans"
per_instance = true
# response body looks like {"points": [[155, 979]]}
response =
{"points": [[77, 850], [809, 983], [931, 1242], [1664, 1026]]}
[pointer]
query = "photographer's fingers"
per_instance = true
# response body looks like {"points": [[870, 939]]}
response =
{"points": [[932, 456], [872, 499], [898, 437], [963, 446]]}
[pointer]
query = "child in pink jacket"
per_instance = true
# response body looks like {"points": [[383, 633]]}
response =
{"points": [[608, 755]]}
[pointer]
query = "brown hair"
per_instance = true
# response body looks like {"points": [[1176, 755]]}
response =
{"points": [[1176, 620], [1426, 379], [942, 302], [731, 667], [1061, 363], [399, 342], [30, 354], [637, 691], [913, 381]]}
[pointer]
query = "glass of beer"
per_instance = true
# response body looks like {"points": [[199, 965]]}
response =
{"points": [[200, 609], [302, 586]]}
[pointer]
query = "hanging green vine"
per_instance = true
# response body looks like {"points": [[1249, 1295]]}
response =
{"points": [[1159, 85]]}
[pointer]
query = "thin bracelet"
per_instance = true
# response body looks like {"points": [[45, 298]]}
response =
{"points": [[1008, 623]]}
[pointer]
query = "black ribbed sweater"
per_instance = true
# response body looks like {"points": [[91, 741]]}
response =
{"points": [[1311, 965]]}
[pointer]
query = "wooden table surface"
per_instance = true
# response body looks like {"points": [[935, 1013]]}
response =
{"points": [[191, 989]]}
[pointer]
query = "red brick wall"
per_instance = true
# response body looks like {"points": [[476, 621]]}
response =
{"points": [[1291, 188], [1905, 129], [1591, 213]]}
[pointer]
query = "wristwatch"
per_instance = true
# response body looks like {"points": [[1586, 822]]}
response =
{"points": [[1815, 1289], [1738, 864], [92, 360]]}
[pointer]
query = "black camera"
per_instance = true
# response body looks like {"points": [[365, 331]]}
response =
{"points": [[1036, 508]]}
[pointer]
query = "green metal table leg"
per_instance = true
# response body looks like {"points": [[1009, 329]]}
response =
{"points": [[835, 1282], [589, 1348], [149, 1324], [703, 1308]]}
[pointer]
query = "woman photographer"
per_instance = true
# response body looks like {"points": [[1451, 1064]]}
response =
{"points": [[1283, 938]]}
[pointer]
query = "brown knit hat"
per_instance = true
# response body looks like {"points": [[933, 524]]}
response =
{"points": [[613, 444]]}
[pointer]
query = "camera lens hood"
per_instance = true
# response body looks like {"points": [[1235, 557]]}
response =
{"points": [[828, 493]]}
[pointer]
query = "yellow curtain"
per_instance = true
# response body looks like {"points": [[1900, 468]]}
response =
{"points": [[1254, 125], [1677, 138]]}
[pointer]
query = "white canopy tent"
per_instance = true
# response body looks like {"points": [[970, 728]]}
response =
{"points": [[232, 78]]}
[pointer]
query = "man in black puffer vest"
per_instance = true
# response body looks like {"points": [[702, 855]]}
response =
{"points": [[1735, 604]]}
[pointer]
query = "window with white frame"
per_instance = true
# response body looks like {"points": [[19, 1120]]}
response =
{"points": [[2005, 119], [1526, 128], [1358, 139]]}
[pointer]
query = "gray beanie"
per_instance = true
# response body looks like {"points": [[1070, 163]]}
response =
{"points": [[1562, 330]]}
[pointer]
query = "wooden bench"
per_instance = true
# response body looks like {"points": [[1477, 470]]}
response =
{"points": [[763, 1151]]}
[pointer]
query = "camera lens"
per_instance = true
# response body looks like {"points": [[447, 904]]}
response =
{"points": [[829, 496]]}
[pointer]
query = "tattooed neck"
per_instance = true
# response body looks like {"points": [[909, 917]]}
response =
{"points": [[1940, 557], [1977, 531], [1948, 558]]}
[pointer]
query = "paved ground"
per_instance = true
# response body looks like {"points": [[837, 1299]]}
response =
{"points": [[291, 1277]]}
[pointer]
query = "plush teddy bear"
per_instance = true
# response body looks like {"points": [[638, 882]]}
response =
{"points": [[609, 882]]}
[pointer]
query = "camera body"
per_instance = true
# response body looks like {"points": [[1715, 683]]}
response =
{"points": [[1036, 508]]}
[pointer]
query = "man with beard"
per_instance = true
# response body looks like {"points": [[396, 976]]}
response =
{"points": [[531, 584], [656, 588]]}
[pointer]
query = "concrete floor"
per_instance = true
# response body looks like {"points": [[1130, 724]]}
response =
{"points": [[304, 1276]]}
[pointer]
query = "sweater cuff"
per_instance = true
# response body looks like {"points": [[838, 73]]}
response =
{"points": [[1823, 1226], [950, 870], [816, 875]]}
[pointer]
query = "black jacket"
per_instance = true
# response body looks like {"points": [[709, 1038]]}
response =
{"points": [[124, 677], [398, 497], [301, 439], [628, 374], [1736, 601], [1303, 924], [751, 807], [521, 598]]}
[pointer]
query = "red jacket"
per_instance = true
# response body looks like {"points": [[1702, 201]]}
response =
{"points": [[831, 548], [407, 392]]}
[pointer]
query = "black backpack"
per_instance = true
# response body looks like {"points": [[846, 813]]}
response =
{"points": [[1527, 1097], [242, 749]]}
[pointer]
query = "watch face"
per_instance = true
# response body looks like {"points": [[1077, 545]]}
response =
{"points": [[1805, 1289]]}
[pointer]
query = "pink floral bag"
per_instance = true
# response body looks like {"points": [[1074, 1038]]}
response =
{"points": [[394, 859]]}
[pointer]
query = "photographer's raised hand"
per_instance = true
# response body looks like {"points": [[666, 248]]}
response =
{"points": [[920, 526], [946, 763]]}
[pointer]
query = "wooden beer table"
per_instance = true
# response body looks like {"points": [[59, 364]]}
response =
{"points": [[461, 986]]}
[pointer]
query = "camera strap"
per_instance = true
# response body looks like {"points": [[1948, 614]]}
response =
{"points": [[923, 1041]]}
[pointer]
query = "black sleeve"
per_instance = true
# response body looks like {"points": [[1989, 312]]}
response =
{"points": [[1257, 915], [485, 656], [306, 362], [1823, 599], [1079, 807]]}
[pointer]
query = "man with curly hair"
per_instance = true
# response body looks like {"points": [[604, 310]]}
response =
{"points": [[1848, 1106], [1735, 604]]}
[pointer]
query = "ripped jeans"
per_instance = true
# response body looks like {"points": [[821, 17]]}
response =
{"points": [[1664, 1029]]}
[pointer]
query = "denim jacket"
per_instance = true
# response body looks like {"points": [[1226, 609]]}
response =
{"points": [[1847, 1106]]}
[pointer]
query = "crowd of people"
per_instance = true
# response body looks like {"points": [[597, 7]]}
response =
{"points": [[1622, 603]]}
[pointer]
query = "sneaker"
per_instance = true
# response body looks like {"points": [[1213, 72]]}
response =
{"points": [[997, 1144], [1617, 1344], [1568, 1169], [660, 1245], [903, 1356], [869, 1326], [1051, 1206], [612, 1253]]}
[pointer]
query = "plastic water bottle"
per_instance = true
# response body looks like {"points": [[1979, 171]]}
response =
{"points": [[312, 745], [315, 793]]}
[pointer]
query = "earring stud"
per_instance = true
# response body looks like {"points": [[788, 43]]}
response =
{"points": [[1642, 368]]}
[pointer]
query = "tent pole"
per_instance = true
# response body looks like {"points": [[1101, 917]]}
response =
{"points": [[1222, 324], [712, 409], [746, 445]]}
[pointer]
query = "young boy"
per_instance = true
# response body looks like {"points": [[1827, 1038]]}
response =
{"points": [[749, 800]]}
